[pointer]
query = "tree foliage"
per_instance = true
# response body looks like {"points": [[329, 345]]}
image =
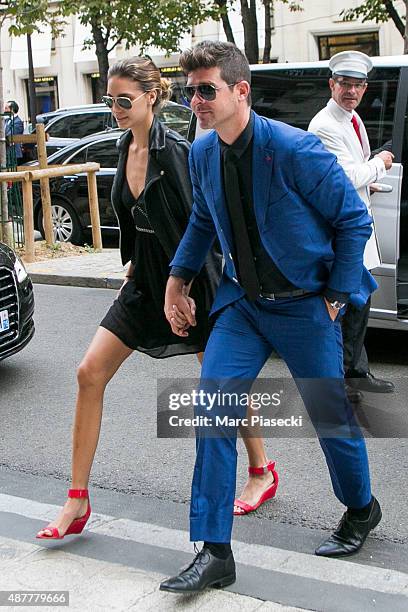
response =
{"points": [[157, 23], [28, 16]]}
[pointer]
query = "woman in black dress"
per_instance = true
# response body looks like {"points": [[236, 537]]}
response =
{"points": [[152, 199]]}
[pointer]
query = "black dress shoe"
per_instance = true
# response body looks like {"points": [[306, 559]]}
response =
{"points": [[350, 534], [204, 571], [367, 382], [354, 395]]}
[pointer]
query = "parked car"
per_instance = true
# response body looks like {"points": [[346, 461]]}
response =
{"points": [[294, 93], [66, 126], [16, 303]]}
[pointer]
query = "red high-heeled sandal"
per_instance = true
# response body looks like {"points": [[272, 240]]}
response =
{"points": [[268, 494], [77, 525]]}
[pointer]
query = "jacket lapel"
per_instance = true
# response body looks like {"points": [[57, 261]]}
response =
{"points": [[262, 169]]}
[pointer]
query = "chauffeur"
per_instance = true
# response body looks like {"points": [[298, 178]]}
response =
{"points": [[343, 133]]}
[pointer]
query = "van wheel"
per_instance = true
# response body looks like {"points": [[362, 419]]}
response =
{"points": [[65, 223]]}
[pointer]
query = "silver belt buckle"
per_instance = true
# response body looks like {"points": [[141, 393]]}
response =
{"points": [[271, 299]]}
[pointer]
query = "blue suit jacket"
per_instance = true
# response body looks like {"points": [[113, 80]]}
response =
{"points": [[311, 220]]}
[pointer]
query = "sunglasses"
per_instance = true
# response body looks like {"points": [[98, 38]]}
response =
{"points": [[121, 101], [206, 91]]}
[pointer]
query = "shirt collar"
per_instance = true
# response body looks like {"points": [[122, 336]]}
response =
{"points": [[339, 110], [240, 145]]}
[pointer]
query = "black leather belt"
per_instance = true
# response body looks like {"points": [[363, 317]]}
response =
{"points": [[285, 294]]}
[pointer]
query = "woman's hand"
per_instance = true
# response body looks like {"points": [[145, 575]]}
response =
{"points": [[179, 308]]}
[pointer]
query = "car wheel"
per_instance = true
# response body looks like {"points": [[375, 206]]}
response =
{"points": [[65, 223]]}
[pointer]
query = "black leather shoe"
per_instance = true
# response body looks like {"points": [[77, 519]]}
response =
{"points": [[354, 395], [350, 534], [204, 571], [368, 382]]}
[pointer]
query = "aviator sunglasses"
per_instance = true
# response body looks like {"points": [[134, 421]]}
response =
{"points": [[121, 101], [206, 91]]}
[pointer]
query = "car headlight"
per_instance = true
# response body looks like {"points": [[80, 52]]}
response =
{"points": [[20, 270]]}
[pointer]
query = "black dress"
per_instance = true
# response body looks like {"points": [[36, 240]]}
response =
{"points": [[137, 317]]}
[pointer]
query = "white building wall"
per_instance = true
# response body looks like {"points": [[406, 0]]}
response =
{"points": [[294, 39]]}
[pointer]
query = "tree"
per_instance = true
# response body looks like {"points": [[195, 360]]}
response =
{"points": [[250, 24], [223, 12], [158, 23], [381, 11]]}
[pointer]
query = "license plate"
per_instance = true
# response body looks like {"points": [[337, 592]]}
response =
{"points": [[4, 321]]}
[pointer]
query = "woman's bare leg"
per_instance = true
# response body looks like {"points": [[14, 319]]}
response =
{"points": [[256, 483], [103, 358]]}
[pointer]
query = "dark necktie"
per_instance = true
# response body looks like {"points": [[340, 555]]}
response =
{"points": [[356, 128], [246, 266]]}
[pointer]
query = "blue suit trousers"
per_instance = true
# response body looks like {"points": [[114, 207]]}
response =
{"points": [[245, 333]]}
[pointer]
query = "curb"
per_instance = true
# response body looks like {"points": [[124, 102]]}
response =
{"points": [[76, 281]]}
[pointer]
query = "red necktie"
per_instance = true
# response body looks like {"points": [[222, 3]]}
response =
{"points": [[356, 128]]}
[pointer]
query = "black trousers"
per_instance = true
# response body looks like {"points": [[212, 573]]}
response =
{"points": [[354, 326]]}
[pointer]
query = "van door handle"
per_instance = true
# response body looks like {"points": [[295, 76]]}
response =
{"points": [[380, 187]]}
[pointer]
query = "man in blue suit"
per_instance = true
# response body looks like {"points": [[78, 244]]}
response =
{"points": [[12, 126], [292, 229]]}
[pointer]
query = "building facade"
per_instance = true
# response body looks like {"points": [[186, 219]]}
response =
{"points": [[65, 73]]}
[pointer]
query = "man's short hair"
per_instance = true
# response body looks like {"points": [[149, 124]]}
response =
{"points": [[13, 106], [226, 56]]}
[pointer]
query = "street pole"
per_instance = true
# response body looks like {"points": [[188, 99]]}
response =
{"points": [[31, 84], [6, 231]]}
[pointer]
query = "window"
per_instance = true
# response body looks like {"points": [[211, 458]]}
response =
{"points": [[378, 105], [291, 96], [79, 158], [46, 94], [60, 128], [84, 124], [367, 42], [104, 153], [294, 96], [177, 118]]}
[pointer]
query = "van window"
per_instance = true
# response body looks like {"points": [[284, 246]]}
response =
{"points": [[296, 95], [60, 128]]}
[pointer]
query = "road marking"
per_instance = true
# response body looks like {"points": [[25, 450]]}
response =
{"points": [[269, 558]]}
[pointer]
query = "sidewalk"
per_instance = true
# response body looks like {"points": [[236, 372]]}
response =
{"points": [[101, 270], [94, 584]]}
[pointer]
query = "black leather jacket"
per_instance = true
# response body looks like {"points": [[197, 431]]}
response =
{"points": [[168, 197]]}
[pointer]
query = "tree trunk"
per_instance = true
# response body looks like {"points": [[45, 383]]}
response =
{"points": [[31, 84], [393, 13], [249, 21], [103, 63], [268, 4], [225, 20], [406, 28]]}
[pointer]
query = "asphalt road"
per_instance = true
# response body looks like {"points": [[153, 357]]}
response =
{"points": [[37, 393]]}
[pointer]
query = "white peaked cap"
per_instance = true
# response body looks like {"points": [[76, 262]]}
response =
{"points": [[351, 63]]}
